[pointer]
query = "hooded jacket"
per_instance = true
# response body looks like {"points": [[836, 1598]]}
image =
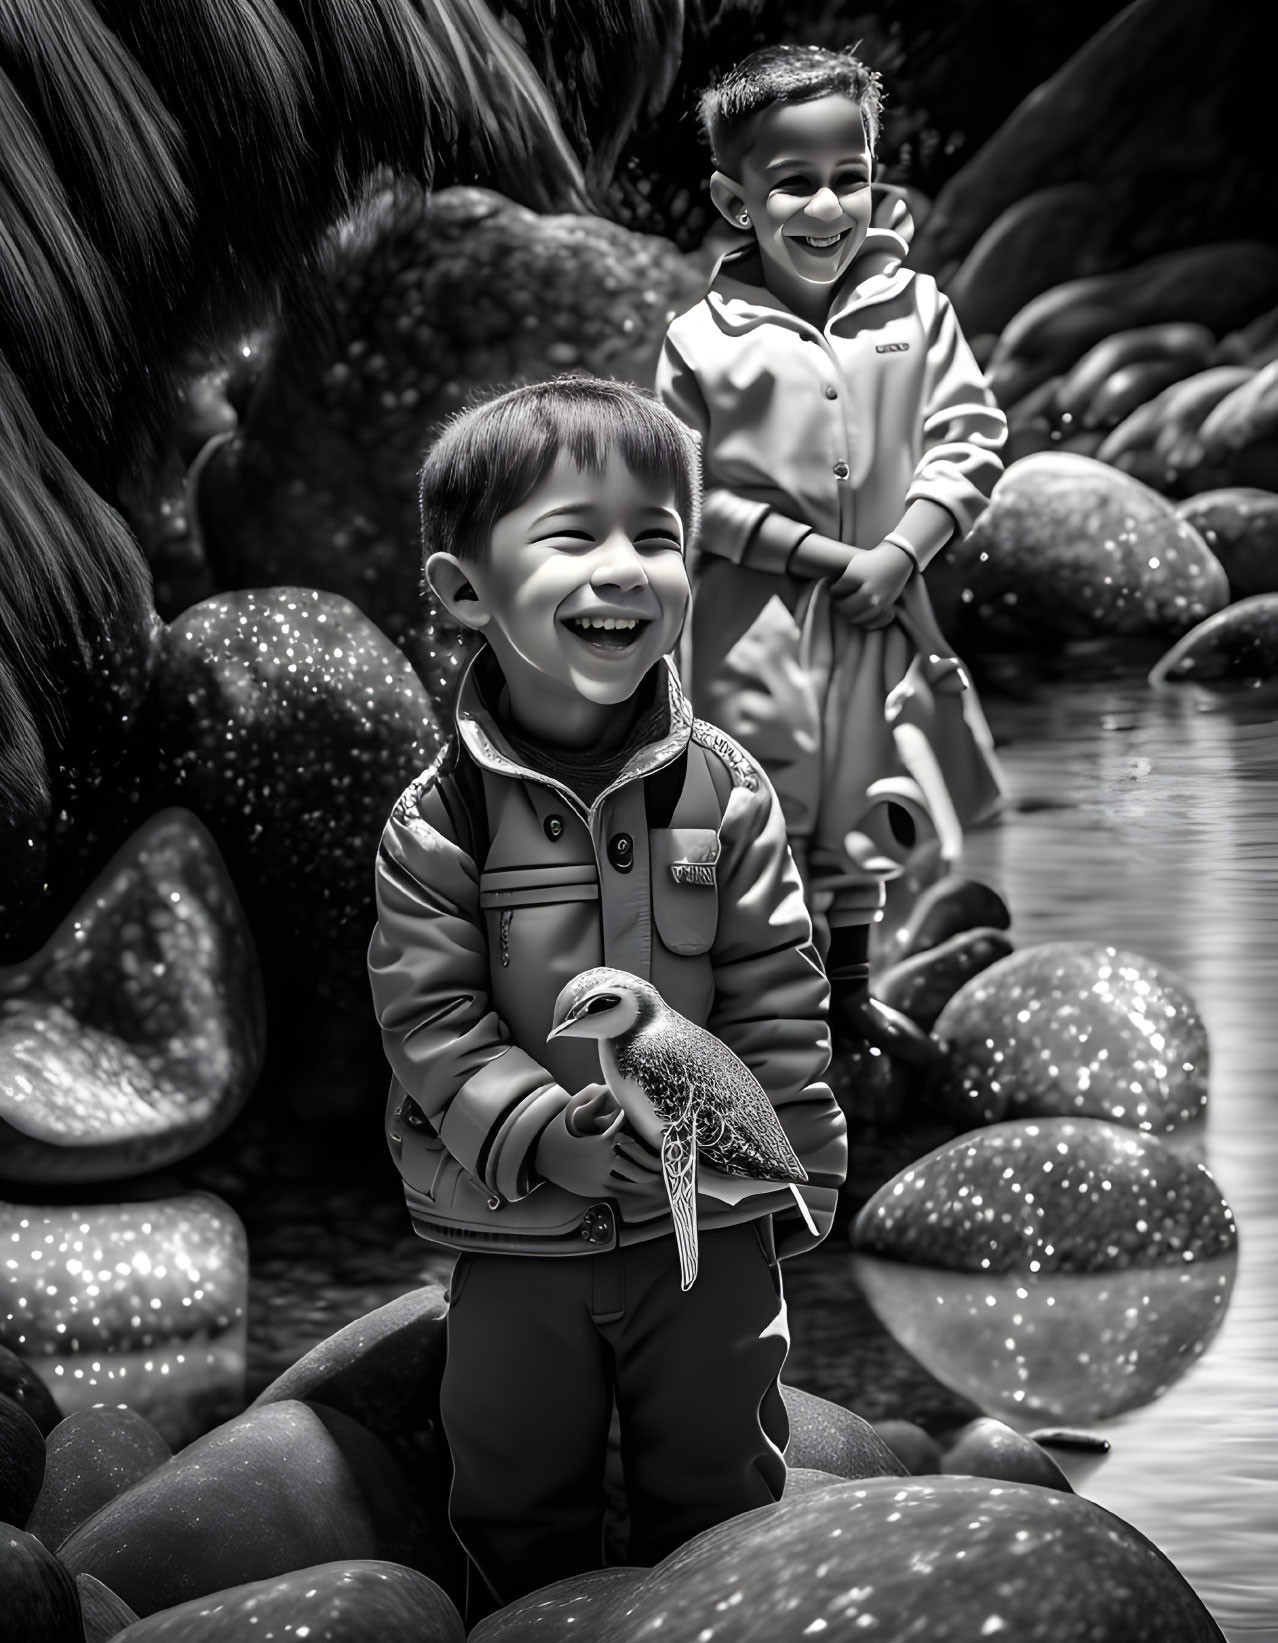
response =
{"points": [[496, 885], [832, 429]]}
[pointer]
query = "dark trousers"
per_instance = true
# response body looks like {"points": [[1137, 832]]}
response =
{"points": [[539, 1347]]}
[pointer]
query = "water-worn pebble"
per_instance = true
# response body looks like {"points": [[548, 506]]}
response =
{"points": [[140, 1303], [292, 724], [828, 1438], [105, 1615], [1069, 548], [951, 1559], [21, 1463], [921, 987], [1049, 1195], [944, 908], [21, 1383], [1070, 1027], [1240, 526], [349, 1601], [40, 1601], [917, 1450], [277, 1488], [1237, 646], [989, 1448], [92, 1456], [136, 1032], [564, 1612]]}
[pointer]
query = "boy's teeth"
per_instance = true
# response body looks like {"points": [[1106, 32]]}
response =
{"points": [[605, 621], [833, 239]]}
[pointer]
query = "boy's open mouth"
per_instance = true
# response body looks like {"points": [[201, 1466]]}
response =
{"points": [[607, 632], [825, 243]]}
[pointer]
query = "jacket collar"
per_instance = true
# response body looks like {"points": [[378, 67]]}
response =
{"points": [[740, 300], [482, 737]]}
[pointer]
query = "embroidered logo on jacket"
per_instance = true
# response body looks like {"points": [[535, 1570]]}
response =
{"points": [[891, 347], [693, 872], [733, 756]]}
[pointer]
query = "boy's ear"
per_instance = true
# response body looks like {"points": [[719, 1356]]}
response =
{"points": [[452, 586], [728, 200]]}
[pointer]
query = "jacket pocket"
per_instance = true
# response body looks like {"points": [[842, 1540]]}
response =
{"points": [[685, 895]]}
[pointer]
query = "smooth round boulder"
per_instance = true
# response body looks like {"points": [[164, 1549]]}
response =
{"points": [[21, 1463], [40, 1601], [91, 1457], [920, 987], [135, 1034], [141, 1303], [21, 1383], [278, 1488], [825, 1437], [989, 1448], [346, 1601], [563, 1612], [917, 1450], [1240, 525], [103, 1613], [1075, 1028], [951, 1559], [942, 909], [1070, 548], [1237, 646]]}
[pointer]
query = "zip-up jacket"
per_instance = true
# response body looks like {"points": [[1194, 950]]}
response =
{"points": [[496, 885], [836, 428]]}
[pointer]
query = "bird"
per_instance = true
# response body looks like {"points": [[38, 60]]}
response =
{"points": [[684, 1092]]}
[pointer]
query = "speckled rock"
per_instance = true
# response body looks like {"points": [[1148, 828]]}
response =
{"points": [[988, 1448], [21, 1463], [1051, 1195], [561, 1613], [103, 1613], [148, 1305], [950, 1559], [1069, 548], [292, 724], [350, 1601], [828, 1438], [136, 1033], [1237, 646], [431, 298], [91, 1457], [41, 1604], [1240, 526], [917, 1450], [21, 1383], [277, 1488], [384, 1370], [920, 987], [1071, 1027], [943, 908]]}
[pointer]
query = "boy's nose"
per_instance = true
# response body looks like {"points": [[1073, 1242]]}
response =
{"points": [[824, 206], [618, 563]]}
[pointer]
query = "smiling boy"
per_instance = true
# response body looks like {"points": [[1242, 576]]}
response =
{"points": [[553, 834], [847, 436]]}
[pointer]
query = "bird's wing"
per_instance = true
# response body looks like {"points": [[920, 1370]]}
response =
{"points": [[724, 1085], [679, 1170]]}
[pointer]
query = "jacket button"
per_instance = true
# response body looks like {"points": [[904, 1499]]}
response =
{"points": [[831, 392], [554, 827], [841, 470], [621, 852]]}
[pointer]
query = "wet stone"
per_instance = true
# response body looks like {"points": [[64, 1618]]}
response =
{"points": [[21, 1463], [136, 1032], [828, 1438], [1237, 646], [104, 1614], [1075, 1028], [921, 986], [988, 1448], [1070, 548], [943, 909], [348, 1601], [40, 1598], [1240, 526], [560, 1613], [139, 1303], [918, 1451], [91, 1457], [20, 1382]]}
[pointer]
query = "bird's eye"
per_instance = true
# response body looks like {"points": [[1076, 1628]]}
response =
{"points": [[604, 1001]]}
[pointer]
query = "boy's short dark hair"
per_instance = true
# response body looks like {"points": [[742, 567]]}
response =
{"points": [[491, 457], [784, 74]]}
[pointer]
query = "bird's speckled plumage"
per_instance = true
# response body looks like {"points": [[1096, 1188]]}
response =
{"points": [[707, 1104]]}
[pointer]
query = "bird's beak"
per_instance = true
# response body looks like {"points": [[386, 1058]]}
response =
{"points": [[562, 1029]]}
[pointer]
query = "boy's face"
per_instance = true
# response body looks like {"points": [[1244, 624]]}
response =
{"points": [[584, 588], [805, 184]]}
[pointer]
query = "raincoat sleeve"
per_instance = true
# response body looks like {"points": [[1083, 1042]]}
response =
{"points": [[487, 1099], [771, 995], [735, 527], [963, 429]]}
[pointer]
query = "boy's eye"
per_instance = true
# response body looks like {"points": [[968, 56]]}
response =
{"points": [[794, 185], [658, 539], [850, 181], [571, 533]]}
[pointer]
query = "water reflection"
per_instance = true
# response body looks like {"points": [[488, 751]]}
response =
{"points": [[1065, 1346]]}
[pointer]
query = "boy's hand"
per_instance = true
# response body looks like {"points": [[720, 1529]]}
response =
{"points": [[639, 1185], [871, 585], [581, 1161]]}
